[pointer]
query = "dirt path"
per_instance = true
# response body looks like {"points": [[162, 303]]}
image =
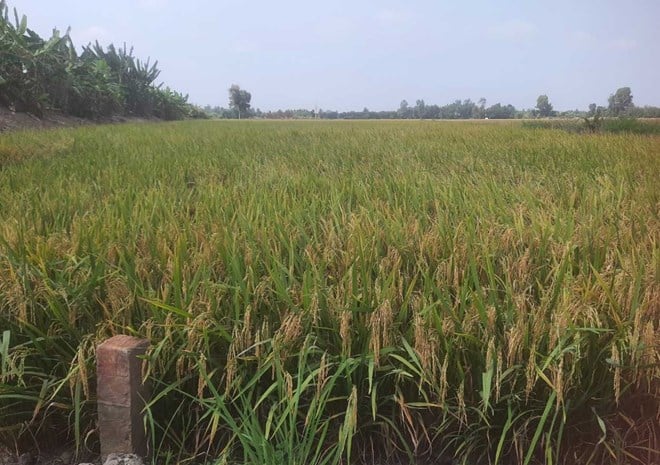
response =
{"points": [[12, 121]]}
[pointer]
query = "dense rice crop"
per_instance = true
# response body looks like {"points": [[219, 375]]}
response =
{"points": [[334, 292]]}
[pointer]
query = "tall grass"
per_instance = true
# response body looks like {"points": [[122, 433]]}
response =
{"points": [[598, 124], [338, 292]]}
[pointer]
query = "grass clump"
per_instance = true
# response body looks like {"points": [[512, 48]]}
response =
{"points": [[597, 124], [631, 125], [338, 292]]}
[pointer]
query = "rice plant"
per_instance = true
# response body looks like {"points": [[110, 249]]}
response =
{"points": [[338, 292]]}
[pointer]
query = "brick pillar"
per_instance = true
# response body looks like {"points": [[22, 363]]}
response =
{"points": [[121, 395]]}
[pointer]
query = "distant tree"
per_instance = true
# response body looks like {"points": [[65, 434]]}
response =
{"points": [[645, 112], [594, 120], [467, 109], [420, 107], [481, 110], [620, 102], [239, 100], [499, 111], [543, 106], [592, 109], [432, 112], [404, 109]]}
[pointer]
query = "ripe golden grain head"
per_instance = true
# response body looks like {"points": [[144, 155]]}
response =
{"points": [[381, 324]]}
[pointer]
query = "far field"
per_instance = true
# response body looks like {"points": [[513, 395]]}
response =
{"points": [[338, 291]]}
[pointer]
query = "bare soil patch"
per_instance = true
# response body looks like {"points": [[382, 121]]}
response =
{"points": [[12, 121]]}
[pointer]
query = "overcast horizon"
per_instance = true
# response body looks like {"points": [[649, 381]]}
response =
{"points": [[349, 55]]}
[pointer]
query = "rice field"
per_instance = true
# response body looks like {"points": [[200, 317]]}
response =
{"points": [[338, 292]]}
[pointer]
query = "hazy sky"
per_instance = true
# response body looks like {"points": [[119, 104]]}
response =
{"points": [[350, 54]]}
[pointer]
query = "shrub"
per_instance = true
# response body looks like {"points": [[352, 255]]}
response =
{"points": [[37, 74]]}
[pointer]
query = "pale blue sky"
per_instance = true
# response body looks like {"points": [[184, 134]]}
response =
{"points": [[350, 54]]}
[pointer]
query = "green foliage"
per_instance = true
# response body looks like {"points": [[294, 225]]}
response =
{"points": [[594, 123], [31, 68], [620, 102], [631, 125], [239, 100], [459, 109], [644, 112], [543, 106], [94, 91], [499, 111], [597, 124], [168, 104], [404, 111], [37, 74]]}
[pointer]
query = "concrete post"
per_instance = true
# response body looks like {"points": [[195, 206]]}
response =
{"points": [[121, 395]]}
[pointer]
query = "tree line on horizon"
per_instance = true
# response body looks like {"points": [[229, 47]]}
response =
{"points": [[620, 103], [38, 74]]}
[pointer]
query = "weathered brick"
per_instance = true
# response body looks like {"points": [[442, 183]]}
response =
{"points": [[121, 395]]}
